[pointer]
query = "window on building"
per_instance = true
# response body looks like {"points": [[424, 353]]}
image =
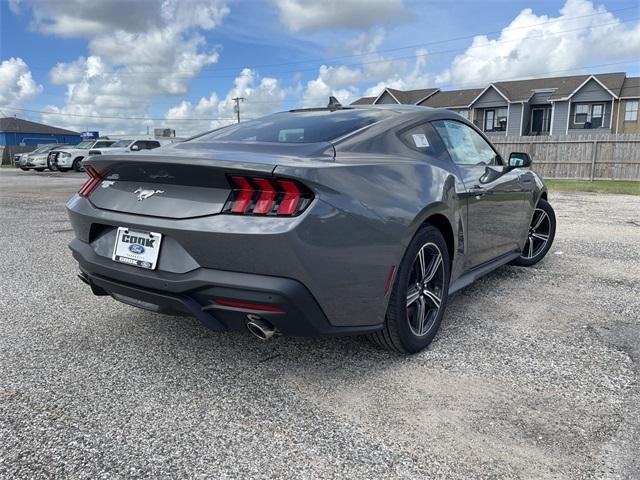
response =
{"points": [[631, 111], [501, 119], [463, 113], [489, 116], [581, 114], [597, 113], [588, 112], [495, 120]]}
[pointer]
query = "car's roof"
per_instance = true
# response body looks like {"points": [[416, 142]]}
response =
{"points": [[398, 108]]}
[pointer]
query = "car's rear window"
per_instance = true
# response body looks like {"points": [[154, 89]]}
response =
{"points": [[298, 127]]}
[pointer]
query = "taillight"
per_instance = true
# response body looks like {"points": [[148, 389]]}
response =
{"points": [[92, 182], [277, 197]]}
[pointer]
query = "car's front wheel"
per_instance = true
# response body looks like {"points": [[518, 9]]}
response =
{"points": [[77, 165], [542, 231], [419, 296]]}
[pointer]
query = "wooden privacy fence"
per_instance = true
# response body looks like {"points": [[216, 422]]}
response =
{"points": [[584, 157]]}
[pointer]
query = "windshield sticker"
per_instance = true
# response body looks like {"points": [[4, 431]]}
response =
{"points": [[420, 139]]}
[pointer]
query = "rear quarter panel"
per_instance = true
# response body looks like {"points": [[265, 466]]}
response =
{"points": [[378, 205]]}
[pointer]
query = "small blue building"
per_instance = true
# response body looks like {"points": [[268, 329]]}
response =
{"points": [[16, 132]]}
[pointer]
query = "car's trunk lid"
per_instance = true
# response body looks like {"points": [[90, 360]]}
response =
{"points": [[186, 180]]}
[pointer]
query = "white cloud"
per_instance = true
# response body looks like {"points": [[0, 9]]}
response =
{"points": [[298, 15], [336, 81], [138, 50], [82, 18], [261, 97], [344, 82], [534, 44], [16, 83], [417, 77], [366, 42]]}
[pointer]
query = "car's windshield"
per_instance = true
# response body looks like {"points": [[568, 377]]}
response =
{"points": [[85, 144], [298, 127], [122, 143], [43, 149]]}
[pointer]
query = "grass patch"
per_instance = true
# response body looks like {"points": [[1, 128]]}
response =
{"points": [[630, 187]]}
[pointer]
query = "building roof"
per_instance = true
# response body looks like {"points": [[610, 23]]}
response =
{"points": [[630, 88], [452, 98], [364, 101], [411, 97], [563, 87], [18, 125], [559, 88]]}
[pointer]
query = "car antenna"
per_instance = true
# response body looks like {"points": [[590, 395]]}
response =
{"points": [[334, 104]]}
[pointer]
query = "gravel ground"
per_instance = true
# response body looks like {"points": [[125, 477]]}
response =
{"points": [[534, 373]]}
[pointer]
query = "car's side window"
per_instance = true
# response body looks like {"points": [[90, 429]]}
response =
{"points": [[421, 138], [464, 144], [151, 144], [140, 144]]}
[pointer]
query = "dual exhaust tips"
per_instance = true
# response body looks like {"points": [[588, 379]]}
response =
{"points": [[260, 327]]}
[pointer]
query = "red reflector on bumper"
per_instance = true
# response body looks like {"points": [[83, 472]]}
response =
{"points": [[248, 305]]}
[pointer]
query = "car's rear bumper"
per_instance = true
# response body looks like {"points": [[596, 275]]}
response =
{"points": [[284, 302]]}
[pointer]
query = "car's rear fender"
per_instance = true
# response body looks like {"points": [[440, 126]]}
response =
{"points": [[382, 203]]}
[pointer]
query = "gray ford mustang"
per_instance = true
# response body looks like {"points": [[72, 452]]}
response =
{"points": [[337, 220]]}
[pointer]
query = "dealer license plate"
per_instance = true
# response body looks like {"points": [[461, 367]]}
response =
{"points": [[139, 249]]}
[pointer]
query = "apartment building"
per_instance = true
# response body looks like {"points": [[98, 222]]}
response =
{"points": [[605, 103]]}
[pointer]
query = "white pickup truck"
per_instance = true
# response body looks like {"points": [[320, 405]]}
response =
{"points": [[70, 158]]}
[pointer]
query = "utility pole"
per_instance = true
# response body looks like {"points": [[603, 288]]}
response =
{"points": [[236, 107]]}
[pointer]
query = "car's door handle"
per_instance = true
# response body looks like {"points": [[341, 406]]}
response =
{"points": [[476, 191]]}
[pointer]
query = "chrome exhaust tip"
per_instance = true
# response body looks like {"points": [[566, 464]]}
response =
{"points": [[259, 327]]}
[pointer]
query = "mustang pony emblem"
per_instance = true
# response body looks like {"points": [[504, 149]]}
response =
{"points": [[142, 193]]}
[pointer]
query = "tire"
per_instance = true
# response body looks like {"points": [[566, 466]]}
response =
{"points": [[39, 169], [24, 169], [77, 165], [52, 166], [534, 250], [399, 332]]}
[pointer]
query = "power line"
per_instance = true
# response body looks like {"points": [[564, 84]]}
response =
{"points": [[107, 117], [365, 63], [504, 79], [420, 55], [435, 42]]}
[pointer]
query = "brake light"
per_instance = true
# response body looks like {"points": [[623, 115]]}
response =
{"points": [[267, 196], [92, 182], [290, 199], [244, 195]]}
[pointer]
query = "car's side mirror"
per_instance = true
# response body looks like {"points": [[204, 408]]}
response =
{"points": [[135, 148], [519, 160]]}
